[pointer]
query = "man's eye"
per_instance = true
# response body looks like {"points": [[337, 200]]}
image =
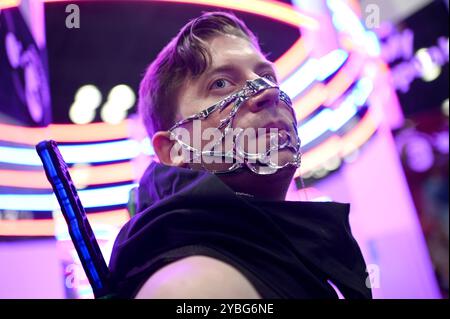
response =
{"points": [[219, 84], [270, 77]]}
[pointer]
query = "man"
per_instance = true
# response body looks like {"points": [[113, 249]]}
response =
{"points": [[212, 221]]}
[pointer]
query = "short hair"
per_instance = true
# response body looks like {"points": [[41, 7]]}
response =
{"points": [[186, 55]]}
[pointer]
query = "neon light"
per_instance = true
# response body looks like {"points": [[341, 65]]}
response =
{"points": [[95, 175], [360, 134], [339, 146], [5, 4], [64, 133], [292, 58], [26, 227], [343, 114], [346, 21], [90, 153], [91, 198], [46, 227], [319, 155], [315, 127], [344, 79], [326, 95], [101, 152], [301, 79], [309, 102], [313, 70], [102, 231], [266, 8], [333, 120], [330, 63], [348, 108]]}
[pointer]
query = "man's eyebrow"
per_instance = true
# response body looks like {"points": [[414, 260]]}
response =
{"points": [[227, 68], [265, 65]]}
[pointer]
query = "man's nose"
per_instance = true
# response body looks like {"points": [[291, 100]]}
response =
{"points": [[265, 99]]}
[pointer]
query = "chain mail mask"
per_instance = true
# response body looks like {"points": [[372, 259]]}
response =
{"points": [[222, 160]]}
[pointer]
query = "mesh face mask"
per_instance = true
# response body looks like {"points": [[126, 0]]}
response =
{"points": [[237, 156]]}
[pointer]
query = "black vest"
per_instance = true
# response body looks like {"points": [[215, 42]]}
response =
{"points": [[285, 249]]}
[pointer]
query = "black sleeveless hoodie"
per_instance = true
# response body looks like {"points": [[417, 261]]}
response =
{"points": [[286, 249]]}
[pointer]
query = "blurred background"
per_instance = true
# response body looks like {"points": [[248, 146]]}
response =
{"points": [[369, 82]]}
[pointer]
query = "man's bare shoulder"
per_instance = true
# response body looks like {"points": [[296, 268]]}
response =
{"points": [[198, 277]]}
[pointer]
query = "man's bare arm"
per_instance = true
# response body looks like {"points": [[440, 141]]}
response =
{"points": [[198, 277]]}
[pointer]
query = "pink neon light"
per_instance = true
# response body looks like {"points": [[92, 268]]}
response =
{"points": [[309, 102], [292, 58], [93, 132], [46, 227], [94, 175], [267, 8], [339, 146], [5, 4], [321, 94]]}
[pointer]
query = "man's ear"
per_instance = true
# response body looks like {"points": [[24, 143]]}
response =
{"points": [[166, 150]]}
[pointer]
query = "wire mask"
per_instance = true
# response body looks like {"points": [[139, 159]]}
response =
{"points": [[262, 163]]}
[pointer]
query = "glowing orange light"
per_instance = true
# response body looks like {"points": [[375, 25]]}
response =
{"points": [[46, 227], [267, 8], [93, 132], [292, 58], [326, 95], [319, 155], [309, 102], [344, 78], [95, 175], [4, 4], [339, 146], [360, 134]]}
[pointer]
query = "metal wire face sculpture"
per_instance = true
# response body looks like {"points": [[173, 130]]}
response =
{"points": [[221, 159]]}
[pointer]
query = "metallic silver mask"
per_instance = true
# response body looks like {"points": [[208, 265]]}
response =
{"points": [[260, 163]]}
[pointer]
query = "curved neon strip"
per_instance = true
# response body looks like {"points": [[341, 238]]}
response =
{"points": [[64, 132], [333, 120], [339, 146], [326, 95], [346, 21], [266, 8], [317, 156], [292, 58], [90, 153], [105, 226], [5, 4], [313, 70], [310, 101], [344, 79], [46, 227], [360, 134], [91, 175], [91, 198]]}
